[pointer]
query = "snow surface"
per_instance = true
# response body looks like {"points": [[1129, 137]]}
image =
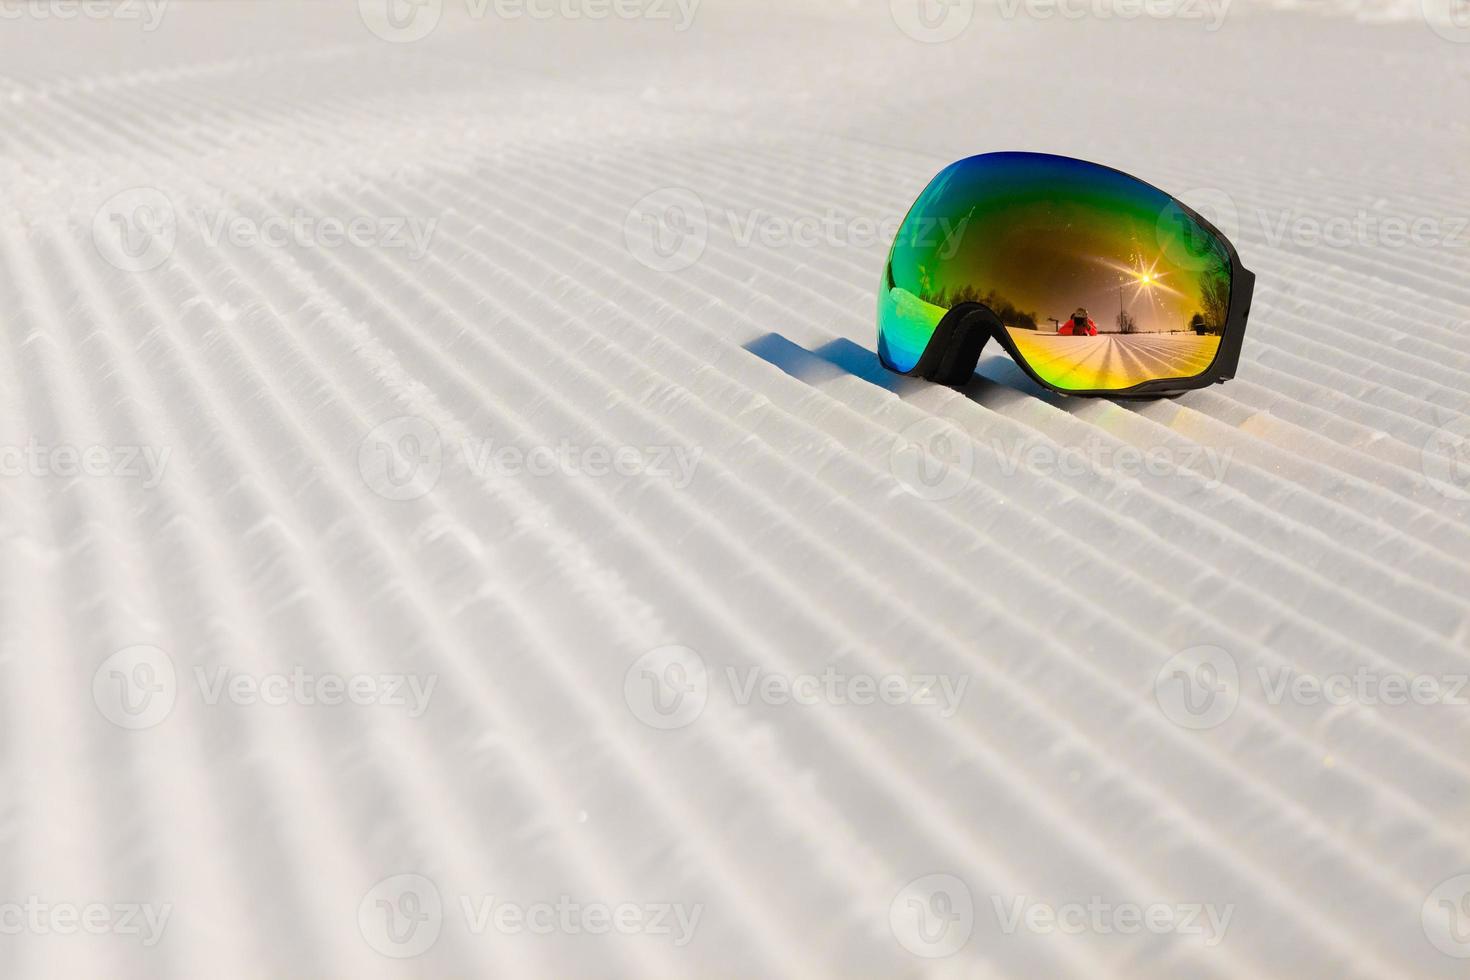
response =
{"points": [[309, 460]]}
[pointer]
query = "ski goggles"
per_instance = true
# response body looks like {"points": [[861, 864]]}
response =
{"points": [[1093, 281]]}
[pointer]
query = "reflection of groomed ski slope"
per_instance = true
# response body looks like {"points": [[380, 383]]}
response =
{"points": [[1085, 363]]}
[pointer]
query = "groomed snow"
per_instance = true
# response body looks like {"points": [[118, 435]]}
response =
{"points": [[515, 386]]}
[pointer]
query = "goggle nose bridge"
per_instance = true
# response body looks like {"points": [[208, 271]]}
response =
{"points": [[954, 351]]}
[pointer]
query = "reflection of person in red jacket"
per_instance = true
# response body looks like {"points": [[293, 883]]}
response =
{"points": [[1080, 325]]}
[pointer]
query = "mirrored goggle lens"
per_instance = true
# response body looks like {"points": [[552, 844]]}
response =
{"points": [[1102, 281]]}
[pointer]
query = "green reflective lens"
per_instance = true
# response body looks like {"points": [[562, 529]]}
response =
{"points": [[1102, 281]]}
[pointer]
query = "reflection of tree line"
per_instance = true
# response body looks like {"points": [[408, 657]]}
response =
{"points": [[1214, 288], [998, 304], [1207, 321]]}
